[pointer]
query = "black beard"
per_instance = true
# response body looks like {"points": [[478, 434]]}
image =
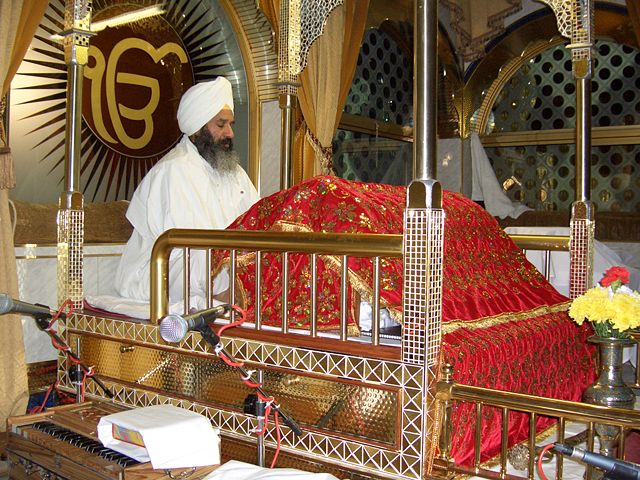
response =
{"points": [[219, 154]]}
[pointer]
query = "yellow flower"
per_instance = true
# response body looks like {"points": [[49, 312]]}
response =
{"points": [[609, 309], [592, 306], [626, 311]]}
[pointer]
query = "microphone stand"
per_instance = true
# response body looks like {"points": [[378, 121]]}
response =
{"points": [[42, 321], [262, 422], [214, 340]]}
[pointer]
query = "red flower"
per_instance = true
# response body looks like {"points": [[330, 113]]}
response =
{"points": [[613, 274]]}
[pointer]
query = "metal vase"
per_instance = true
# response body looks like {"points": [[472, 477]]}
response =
{"points": [[609, 389]]}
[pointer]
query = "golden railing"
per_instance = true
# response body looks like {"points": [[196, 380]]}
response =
{"points": [[339, 244], [564, 411], [314, 244]]}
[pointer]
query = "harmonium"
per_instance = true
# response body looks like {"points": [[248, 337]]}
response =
{"points": [[62, 443]]}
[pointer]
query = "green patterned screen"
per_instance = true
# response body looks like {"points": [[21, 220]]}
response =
{"points": [[541, 96], [382, 91]]}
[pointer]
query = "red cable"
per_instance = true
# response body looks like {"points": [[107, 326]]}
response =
{"points": [[228, 361], [267, 412], [265, 399], [229, 325], [61, 347], [65, 348], [278, 439], [242, 315], [239, 310], [40, 407], [545, 449], [249, 383], [54, 318], [84, 377]]}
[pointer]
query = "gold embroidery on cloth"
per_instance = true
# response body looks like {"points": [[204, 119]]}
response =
{"points": [[246, 259], [485, 322], [335, 263]]}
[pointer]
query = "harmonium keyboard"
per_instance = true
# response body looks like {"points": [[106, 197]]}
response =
{"points": [[62, 443]]}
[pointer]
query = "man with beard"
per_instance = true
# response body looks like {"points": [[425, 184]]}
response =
{"points": [[198, 184]]}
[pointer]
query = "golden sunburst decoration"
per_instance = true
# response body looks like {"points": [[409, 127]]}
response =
{"points": [[136, 74]]}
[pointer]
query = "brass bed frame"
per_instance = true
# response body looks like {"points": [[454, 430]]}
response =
{"points": [[366, 408]]}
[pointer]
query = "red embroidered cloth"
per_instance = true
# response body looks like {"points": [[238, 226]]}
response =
{"points": [[504, 325], [484, 272]]}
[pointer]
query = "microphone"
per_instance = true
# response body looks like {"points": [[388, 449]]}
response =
{"points": [[613, 468], [174, 327], [9, 305]]}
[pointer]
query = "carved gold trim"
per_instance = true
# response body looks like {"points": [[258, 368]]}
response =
{"points": [[485, 322], [505, 74], [491, 74]]}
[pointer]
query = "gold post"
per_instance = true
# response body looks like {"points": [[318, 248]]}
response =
{"points": [[425, 89], [424, 229], [443, 395], [575, 21], [71, 214], [288, 70], [288, 107], [582, 227], [294, 44], [583, 139]]}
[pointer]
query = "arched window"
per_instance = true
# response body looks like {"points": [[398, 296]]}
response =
{"points": [[527, 119]]}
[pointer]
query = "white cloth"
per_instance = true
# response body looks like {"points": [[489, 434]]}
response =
{"points": [[166, 435], [235, 470], [181, 191], [486, 188], [603, 259], [141, 309], [202, 102], [366, 317], [454, 165]]}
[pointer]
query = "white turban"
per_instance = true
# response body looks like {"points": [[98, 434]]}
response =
{"points": [[202, 102]]}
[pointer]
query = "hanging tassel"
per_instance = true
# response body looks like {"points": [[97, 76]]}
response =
{"points": [[324, 155], [7, 172]]}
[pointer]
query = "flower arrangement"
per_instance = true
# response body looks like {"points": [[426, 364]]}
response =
{"points": [[611, 306]]}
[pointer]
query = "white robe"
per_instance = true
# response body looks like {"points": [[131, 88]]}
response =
{"points": [[181, 191]]}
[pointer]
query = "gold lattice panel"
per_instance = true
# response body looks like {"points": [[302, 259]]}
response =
{"points": [[378, 381], [582, 244], [423, 250], [70, 256]]}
